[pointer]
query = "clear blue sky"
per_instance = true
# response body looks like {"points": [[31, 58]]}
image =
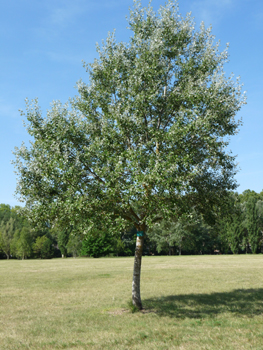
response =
{"points": [[43, 44]]}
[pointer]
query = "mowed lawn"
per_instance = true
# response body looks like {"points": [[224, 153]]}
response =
{"points": [[191, 302]]}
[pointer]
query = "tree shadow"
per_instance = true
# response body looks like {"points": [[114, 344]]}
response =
{"points": [[239, 302]]}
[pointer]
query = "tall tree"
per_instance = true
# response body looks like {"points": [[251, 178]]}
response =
{"points": [[231, 223], [7, 231], [22, 243], [144, 139], [235, 232], [169, 235], [62, 236], [43, 247], [5, 212], [259, 208], [253, 224], [97, 243], [74, 244]]}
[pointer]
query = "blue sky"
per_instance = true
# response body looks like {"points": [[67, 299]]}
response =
{"points": [[43, 44]]}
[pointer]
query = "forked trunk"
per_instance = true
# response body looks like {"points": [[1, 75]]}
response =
{"points": [[136, 293]]}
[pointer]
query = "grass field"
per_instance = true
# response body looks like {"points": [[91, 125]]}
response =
{"points": [[191, 302]]}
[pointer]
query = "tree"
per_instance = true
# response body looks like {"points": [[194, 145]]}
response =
{"points": [[231, 223], [7, 231], [169, 234], [43, 247], [203, 238], [253, 224], [62, 236], [259, 208], [235, 232], [124, 244], [22, 243], [145, 139], [97, 243], [74, 244], [5, 212], [247, 194]]}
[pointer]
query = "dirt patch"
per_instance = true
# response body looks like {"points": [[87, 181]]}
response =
{"points": [[118, 312], [125, 311], [147, 311]]}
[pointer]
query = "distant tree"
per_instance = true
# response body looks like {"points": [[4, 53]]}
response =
{"points": [[124, 244], [259, 208], [24, 247], [169, 235], [253, 224], [203, 239], [74, 244], [43, 247], [22, 243], [119, 246], [146, 137], [62, 236], [235, 233], [232, 223], [247, 194], [5, 213], [189, 234], [7, 231], [98, 243]]}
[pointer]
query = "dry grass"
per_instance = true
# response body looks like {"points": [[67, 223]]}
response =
{"points": [[196, 302]]}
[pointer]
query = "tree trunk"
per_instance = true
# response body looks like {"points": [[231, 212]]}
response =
{"points": [[136, 293]]}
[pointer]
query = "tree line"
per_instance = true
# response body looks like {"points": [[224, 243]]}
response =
{"points": [[237, 230]]}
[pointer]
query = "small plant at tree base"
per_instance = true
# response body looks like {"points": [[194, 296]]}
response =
{"points": [[132, 308]]}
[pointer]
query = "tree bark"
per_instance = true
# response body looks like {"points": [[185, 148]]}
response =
{"points": [[136, 293]]}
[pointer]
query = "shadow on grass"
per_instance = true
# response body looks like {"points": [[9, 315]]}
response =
{"points": [[239, 302]]}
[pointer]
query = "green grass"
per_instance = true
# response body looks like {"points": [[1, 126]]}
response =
{"points": [[190, 302]]}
